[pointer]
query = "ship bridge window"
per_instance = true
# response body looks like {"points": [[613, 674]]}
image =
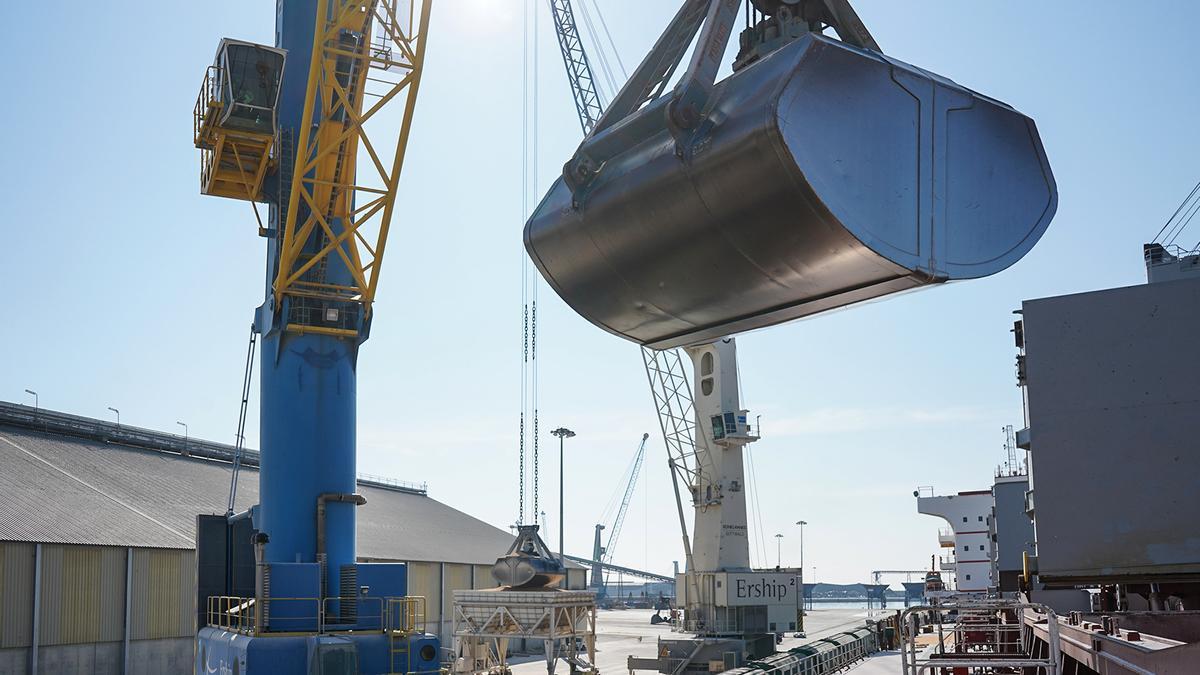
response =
{"points": [[964, 519]]}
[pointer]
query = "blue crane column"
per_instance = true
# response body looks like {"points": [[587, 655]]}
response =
{"points": [[308, 380]]}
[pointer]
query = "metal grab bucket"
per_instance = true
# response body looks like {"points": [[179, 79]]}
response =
{"points": [[829, 175]]}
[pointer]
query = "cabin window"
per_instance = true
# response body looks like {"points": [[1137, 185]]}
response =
{"points": [[706, 371]]}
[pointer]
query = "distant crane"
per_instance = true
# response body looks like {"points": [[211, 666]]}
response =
{"points": [[604, 554]]}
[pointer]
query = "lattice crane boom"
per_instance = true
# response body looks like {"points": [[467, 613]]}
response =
{"points": [[579, 69], [615, 532], [335, 222]]}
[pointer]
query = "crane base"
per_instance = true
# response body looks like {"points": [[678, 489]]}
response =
{"points": [[222, 651]]}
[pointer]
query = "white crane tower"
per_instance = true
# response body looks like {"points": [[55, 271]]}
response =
{"points": [[705, 430]]}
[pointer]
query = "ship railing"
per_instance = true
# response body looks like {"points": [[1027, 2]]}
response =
{"points": [[1179, 251], [924, 491], [974, 635]]}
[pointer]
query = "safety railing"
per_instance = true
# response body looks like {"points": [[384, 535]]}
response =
{"points": [[359, 612], [406, 615], [974, 635], [400, 485], [399, 615], [208, 104], [232, 613], [53, 421]]}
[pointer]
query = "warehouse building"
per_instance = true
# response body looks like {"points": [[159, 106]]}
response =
{"points": [[97, 559]]}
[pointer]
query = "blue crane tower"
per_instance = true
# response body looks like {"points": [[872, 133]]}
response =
{"points": [[280, 590]]}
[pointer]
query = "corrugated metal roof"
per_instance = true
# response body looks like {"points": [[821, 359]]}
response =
{"points": [[58, 489]]}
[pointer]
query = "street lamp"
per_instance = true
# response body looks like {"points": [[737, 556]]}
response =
{"points": [[801, 523], [563, 433], [185, 435], [35, 401], [778, 551], [118, 415]]}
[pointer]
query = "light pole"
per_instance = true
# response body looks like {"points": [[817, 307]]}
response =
{"points": [[563, 433], [778, 551], [35, 401], [801, 523], [185, 435], [118, 415]]}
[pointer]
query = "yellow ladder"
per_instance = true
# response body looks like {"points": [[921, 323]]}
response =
{"points": [[399, 648]]}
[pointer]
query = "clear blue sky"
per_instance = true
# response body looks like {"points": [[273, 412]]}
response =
{"points": [[126, 288]]}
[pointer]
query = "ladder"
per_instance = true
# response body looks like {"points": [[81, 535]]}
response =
{"points": [[403, 618], [398, 652], [241, 429]]}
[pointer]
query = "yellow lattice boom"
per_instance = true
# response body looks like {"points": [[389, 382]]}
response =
{"points": [[367, 57]]}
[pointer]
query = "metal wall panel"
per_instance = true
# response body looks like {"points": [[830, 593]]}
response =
{"points": [[1112, 408], [576, 579], [1013, 528], [71, 592], [139, 606], [424, 579], [457, 578], [186, 616], [163, 589], [16, 594], [112, 593], [483, 577]]}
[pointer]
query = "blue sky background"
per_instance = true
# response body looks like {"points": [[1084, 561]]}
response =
{"points": [[126, 288]]}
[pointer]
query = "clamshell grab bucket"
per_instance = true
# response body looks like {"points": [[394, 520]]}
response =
{"points": [[828, 175]]}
